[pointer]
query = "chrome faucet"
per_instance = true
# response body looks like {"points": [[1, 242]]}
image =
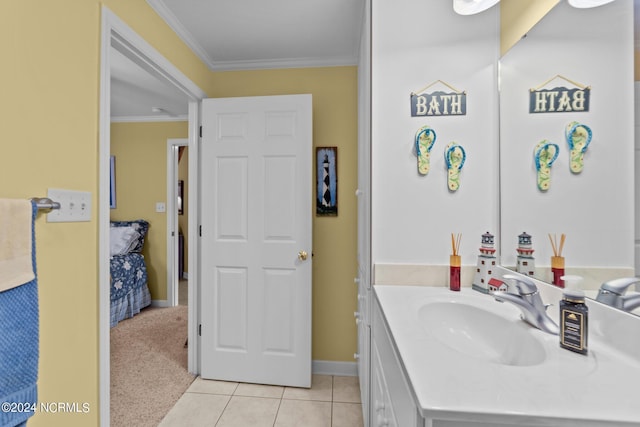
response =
{"points": [[528, 300], [612, 293]]}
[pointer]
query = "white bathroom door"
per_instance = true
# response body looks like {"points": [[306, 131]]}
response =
{"points": [[256, 162]]}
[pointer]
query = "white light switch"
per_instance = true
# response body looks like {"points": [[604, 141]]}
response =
{"points": [[161, 207], [75, 206]]}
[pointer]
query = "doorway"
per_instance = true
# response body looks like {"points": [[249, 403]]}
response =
{"points": [[177, 221], [115, 33]]}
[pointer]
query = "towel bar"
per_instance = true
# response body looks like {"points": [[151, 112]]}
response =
{"points": [[45, 203]]}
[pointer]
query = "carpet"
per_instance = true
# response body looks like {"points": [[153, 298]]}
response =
{"points": [[148, 366]]}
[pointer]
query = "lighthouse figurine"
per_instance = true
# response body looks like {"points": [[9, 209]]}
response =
{"points": [[486, 264], [526, 262], [326, 191]]}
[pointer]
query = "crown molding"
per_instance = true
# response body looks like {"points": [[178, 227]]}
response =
{"points": [[131, 119], [284, 63], [171, 20], [180, 30]]}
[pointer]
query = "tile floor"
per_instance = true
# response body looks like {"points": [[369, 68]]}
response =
{"points": [[332, 401]]}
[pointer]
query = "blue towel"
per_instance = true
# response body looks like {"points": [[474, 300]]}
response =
{"points": [[19, 347]]}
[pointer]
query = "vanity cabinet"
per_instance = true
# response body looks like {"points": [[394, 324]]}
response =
{"points": [[392, 401], [363, 356]]}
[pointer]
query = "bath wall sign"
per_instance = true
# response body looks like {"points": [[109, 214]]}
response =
{"points": [[559, 99], [443, 102]]}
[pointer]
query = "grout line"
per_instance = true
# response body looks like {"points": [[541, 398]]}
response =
{"points": [[275, 419], [223, 410], [331, 414], [332, 381]]}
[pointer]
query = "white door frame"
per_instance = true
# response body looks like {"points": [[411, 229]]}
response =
{"points": [[115, 32], [173, 146]]}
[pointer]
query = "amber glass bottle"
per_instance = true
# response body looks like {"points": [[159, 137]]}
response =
{"points": [[574, 322]]}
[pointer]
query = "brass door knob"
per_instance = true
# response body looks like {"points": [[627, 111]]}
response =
{"points": [[302, 255]]}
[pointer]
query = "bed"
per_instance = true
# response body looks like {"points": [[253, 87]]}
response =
{"points": [[129, 290]]}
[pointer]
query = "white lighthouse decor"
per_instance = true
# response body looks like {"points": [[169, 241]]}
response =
{"points": [[326, 181], [486, 264], [526, 262], [326, 192]]}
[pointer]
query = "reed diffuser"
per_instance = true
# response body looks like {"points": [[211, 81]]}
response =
{"points": [[557, 260], [454, 263]]}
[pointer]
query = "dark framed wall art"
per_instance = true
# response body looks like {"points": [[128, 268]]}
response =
{"points": [[327, 181]]}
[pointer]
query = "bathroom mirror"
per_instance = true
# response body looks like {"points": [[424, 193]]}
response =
{"points": [[594, 207]]}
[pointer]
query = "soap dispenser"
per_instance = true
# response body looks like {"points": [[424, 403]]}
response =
{"points": [[574, 321]]}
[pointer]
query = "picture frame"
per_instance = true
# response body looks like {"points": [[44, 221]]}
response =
{"points": [[112, 184], [180, 196], [327, 181]]}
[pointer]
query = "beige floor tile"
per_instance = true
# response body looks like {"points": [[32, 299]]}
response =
{"points": [[307, 413], [212, 387], [321, 389], [196, 410], [249, 411], [259, 390], [346, 389], [347, 415]]}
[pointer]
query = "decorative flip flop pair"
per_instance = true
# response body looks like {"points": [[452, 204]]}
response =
{"points": [[454, 156], [578, 137]]}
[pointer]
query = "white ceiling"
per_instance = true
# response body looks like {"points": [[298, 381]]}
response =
{"points": [[239, 35]]}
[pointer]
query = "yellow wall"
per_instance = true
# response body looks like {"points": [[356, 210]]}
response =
{"points": [[141, 184], [49, 135], [334, 93], [141, 176], [517, 17]]}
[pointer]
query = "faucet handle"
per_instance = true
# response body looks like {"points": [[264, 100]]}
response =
{"points": [[619, 286], [525, 285]]}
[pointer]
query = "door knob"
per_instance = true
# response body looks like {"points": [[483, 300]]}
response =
{"points": [[302, 255]]}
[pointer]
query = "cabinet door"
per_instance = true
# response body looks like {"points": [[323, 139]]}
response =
{"points": [[396, 385], [381, 407], [364, 350]]}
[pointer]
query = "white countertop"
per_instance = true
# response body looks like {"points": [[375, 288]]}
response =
{"points": [[567, 389]]}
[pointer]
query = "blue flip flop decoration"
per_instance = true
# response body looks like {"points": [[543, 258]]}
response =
{"points": [[454, 156], [544, 159], [578, 138], [425, 137]]}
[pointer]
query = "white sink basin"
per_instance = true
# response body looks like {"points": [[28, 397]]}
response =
{"points": [[481, 334], [468, 355]]}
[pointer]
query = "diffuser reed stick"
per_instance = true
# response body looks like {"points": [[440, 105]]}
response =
{"points": [[455, 243], [557, 249]]}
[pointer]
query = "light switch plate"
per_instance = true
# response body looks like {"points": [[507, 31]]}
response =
{"points": [[75, 206]]}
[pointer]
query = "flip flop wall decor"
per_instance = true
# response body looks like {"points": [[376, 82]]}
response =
{"points": [[424, 140], [544, 154], [454, 156], [578, 138]]}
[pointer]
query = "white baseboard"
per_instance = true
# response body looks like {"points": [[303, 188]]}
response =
{"points": [[160, 303], [319, 367], [326, 367]]}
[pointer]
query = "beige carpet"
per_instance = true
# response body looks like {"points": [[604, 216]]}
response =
{"points": [[148, 366]]}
